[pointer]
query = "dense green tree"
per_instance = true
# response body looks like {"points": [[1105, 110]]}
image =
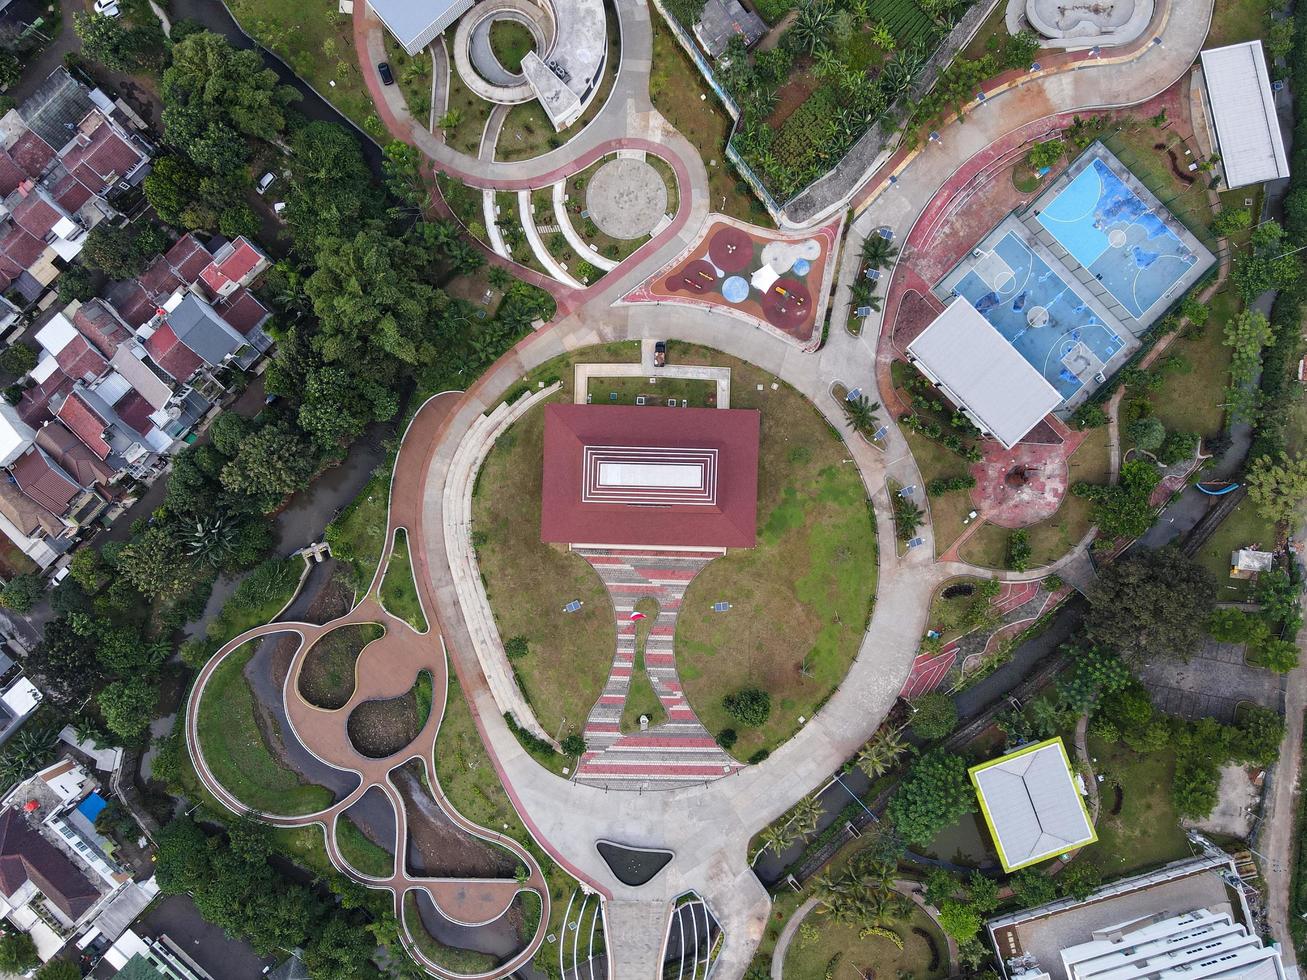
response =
{"points": [[64, 660], [1031, 887], [982, 893], [935, 793], [17, 359], [338, 404], [156, 564], [749, 706], [59, 970], [1177, 447], [22, 592], [1096, 672], [121, 46], [960, 920], [934, 716], [1279, 655], [128, 706], [860, 414], [1123, 511], [1278, 486], [77, 282], [328, 195], [339, 951], [123, 650], [1148, 433], [940, 886], [1151, 604], [88, 569], [17, 952], [1079, 879], [123, 251], [1046, 154], [27, 752], [1231, 220], [272, 463], [1258, 735]]}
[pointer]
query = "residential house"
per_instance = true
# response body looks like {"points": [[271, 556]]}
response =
{"points": [[56, 877], [64, 153]]}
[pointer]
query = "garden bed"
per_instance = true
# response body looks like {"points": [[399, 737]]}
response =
{"points": [[380, 728], [326, 679], [823, 942], [399, 592]]}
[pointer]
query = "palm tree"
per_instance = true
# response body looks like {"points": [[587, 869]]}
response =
{"points": [[25, 753], [860, 413], [777, 838], [878, 252], [879, 755], [907, 517], [805, 816]]}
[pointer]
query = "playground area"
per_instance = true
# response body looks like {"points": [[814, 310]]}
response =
{"points": [[781, 281]]}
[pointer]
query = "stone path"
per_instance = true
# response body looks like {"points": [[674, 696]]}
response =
{"points": [[679, 752]]}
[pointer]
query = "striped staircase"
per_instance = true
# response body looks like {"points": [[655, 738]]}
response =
{"points": [[679, 752]]}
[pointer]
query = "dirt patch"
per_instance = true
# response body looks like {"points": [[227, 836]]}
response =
{"points": [[436, 846], [327, 677], [379, 729], [793, 93], [333, 600]]}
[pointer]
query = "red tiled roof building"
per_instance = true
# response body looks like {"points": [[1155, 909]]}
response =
{"points": [[650, 477]]}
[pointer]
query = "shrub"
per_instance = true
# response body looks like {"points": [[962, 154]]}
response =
{"points": [[1032, 887], [726, 737], [1046, 154], [1148, 433], [934, 716], [18, 359], [959, 920], [942, 485], [935, 793], [516, 647], [758, 756], [1018, 551], [1177, 447], [574, 744], [749, 706], [1234, 626], [1231, 220], [22, 592]]}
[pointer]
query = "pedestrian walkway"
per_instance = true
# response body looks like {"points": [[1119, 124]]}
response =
{"points": [[679, 751]]}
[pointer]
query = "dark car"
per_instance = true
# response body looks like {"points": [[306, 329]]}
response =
{"points": [[660, 353], [387, 76]]}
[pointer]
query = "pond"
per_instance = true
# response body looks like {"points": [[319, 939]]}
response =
{"points": [[966, 842]]}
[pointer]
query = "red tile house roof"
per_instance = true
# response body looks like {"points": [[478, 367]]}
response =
{"points": [[102, 161], [70, 193], [11, 174], [32, 153], [41, 480], [85, 423], [242, 311], [35, 215], [27, 856], [71, 453], [19, 251], [80, 361], [35, 405], [188, 258], [132, 302], [650, 476], [95, 320], [159, 281], [234, 268], [133, 409], [171, 354]]}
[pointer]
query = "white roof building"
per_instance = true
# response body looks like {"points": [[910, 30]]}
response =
{"points": [[416, 23], [1203, 944], [1032, 804], [985, 375], [1243, 111]]}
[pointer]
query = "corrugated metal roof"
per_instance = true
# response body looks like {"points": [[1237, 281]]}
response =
{"points": [[981, 370], [1243, 108]]}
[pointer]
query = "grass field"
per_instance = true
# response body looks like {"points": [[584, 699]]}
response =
{"points": [[470, 783], [529, 582], [1243, 528], [947, 510], [800, 598], [471, 112], [809, 956], [697, 393], [1190, 400], [1237, 20], [679, 92], [399, 592], [362, 855], [327, 678], [510, 42], [236, 752], [1147, 831]]}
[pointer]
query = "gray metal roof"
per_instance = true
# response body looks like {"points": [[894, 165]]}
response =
{"points": [[56, 107], [1032, 804], [1243, 109], [416, 23], [721, 20], [199, 327], [984, 373]]}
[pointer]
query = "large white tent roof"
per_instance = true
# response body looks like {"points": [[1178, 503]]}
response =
{"points": [[1243, 109], [1032, 805], [983, 373]]}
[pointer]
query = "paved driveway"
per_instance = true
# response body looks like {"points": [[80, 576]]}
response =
{"points": [[1212, 683]]}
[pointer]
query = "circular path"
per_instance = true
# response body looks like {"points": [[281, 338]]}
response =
{"points": [[626, 198]]}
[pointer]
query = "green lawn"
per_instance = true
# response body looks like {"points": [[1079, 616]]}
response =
{"points": [[1191, 397], [317, 41], [327, 678], [947, 612], [263, 593], [470, 111], [1243, 528], [1237, 20], [413, 76], [802, 597], [399, 592], [236, 751], [510, 42], [697, 393], [357, 536], [529, 582], [470, 783], [812, 951], [678, 91], [1147, 831], [947, 510], [361, 853], [641, 699]]}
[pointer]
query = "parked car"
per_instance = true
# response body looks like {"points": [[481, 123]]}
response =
{"points": [[660, 353], [265, 181], [387, 76], [109, 8]]}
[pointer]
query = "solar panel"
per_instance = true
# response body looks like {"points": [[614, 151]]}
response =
{"points": [[573, 606], [916, 542], [881, 433], [720, 606]]}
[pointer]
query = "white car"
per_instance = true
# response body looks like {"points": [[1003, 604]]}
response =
{"points": [[108, 8], [265, 181]]}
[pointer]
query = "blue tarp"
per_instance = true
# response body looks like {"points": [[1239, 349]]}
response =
{"points": [[91, 806]]}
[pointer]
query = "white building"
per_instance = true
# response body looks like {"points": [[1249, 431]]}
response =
{"points": [[1241, 107]]}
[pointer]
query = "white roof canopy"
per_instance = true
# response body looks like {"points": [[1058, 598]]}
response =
{"points": [[1032, 804], [983, 373], [1243, 109]]}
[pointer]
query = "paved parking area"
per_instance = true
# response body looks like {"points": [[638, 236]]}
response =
{"points": [[1211, 684]]}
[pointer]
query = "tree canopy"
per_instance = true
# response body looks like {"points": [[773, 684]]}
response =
{"points": [[1151, 604], [935, 793]]}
